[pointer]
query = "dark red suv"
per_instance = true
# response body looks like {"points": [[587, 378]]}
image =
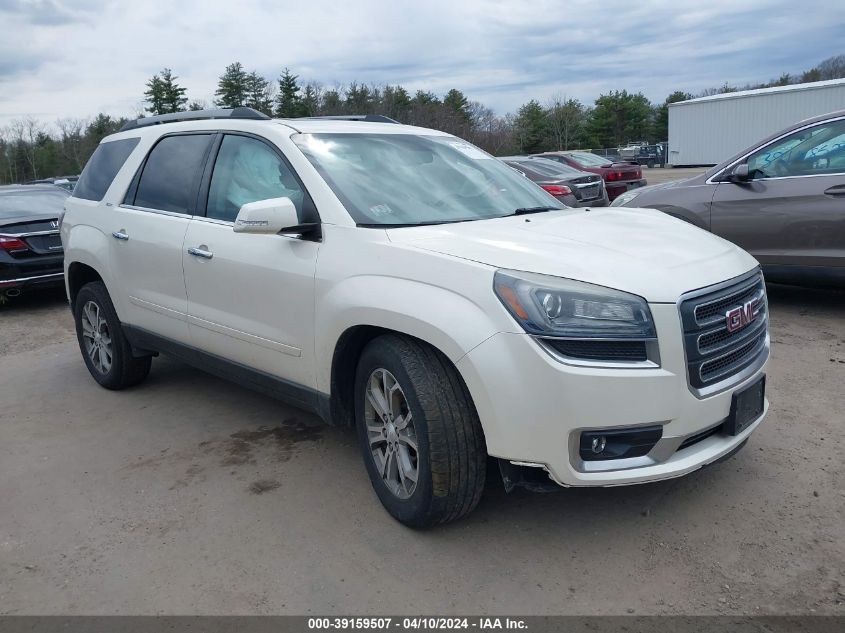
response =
{"points": [[618, 177]]}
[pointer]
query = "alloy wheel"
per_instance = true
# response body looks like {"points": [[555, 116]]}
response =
{"points": [[96, 337], [391, 433]]}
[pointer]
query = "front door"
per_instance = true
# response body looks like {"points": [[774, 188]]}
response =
{"points": [[251, 297], [792, 211]]}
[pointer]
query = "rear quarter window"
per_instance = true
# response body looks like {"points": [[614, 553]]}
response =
{"points": [[102, 168]]}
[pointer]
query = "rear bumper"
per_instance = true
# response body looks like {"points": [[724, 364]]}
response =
{"points": [[35, 271], [615, 189]]}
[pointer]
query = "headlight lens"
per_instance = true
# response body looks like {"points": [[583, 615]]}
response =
{"points": [[625, 198], [556, 307]]}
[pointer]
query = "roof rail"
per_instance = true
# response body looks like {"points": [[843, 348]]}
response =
{"points": [[196, 115], [367, 118]]}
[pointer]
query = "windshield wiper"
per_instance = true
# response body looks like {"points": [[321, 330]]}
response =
{"points": [[529, 210]]}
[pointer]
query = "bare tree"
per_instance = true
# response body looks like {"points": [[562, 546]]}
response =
{"points": [[26, 132], [71, 141], [565, 119]]}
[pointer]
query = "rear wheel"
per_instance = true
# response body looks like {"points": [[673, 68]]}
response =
{"points": [[104, 347], [419, 432]]}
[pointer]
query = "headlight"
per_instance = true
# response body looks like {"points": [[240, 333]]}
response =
{"points": [[549, 306], [625, 198]]}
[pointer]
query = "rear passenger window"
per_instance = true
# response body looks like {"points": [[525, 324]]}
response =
{"points": [[171, 173], [248, 170], [102, 168]]}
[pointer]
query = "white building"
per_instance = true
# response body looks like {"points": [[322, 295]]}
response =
{"points": [[708, 130]]}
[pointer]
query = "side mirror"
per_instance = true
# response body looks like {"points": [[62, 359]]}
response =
{"points": [[739, 173], [266, 216]]}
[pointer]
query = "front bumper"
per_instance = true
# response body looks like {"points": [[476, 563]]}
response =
{"points": [[533, 408]]}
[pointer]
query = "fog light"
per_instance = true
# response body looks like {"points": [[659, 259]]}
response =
{"points": [[618, 443]]}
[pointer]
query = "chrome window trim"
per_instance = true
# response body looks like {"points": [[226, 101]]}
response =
{"points": [[722, 172], [174, 214]]}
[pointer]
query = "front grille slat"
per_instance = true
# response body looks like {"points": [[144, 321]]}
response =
{"points": [[713, 353]]}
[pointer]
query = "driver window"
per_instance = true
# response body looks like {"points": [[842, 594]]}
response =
{"points": [[817, 150], [247, 170]]}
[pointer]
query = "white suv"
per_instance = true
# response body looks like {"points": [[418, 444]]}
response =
{"points": [[404, 281]]}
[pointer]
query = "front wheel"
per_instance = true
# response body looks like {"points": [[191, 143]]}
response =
{"points": [[419, 432], [104, 347]]}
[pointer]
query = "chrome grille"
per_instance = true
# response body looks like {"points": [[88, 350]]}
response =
{"points": [[720, 352]]}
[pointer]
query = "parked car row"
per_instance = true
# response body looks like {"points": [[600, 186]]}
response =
{"points": [[571, 186]]}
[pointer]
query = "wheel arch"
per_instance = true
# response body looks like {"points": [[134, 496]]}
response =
{"points": [[78, 274]]}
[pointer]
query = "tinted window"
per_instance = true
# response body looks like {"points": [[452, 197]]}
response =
{"points": [[816, 150], [103, 166], [170, 174], [248, 170]]}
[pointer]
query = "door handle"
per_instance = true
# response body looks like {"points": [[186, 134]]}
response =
{"points": [[836, 191], [201, 252], [120, 235]]}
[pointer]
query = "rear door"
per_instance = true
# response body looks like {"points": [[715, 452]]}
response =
{"points": [[251, 297], [148, 231], [792, 212]]}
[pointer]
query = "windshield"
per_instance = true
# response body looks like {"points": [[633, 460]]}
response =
{"points": [[401, 179], [589, 159]]}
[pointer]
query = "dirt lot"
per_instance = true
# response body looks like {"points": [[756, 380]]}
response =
{"points": [[191, 495], [664, 174]]}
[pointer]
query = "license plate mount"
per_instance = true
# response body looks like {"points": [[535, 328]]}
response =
{"points": [[746, 406]]}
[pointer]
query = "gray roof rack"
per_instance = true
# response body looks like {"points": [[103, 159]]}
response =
{"points": [[196, 115], [368, 118]]}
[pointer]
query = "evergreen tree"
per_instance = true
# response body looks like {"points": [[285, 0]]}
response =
{"points": [[174, 94], [232, 87], [359, 99], [530, 127], [620, 117], [310, 100], [258, 93], [661, 116], [288, 100], [163, 94], [395, 102], [154, 95], [457, 103]]}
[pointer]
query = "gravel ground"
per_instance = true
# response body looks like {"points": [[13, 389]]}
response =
{"points": [[191, 495]]}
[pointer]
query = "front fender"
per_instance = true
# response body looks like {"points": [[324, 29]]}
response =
{"points": [[451, 322]]}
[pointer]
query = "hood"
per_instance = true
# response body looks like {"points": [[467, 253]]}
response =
{"points": [[642, 251]]}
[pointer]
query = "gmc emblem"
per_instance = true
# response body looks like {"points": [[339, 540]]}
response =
{"points": [[739, 317]]}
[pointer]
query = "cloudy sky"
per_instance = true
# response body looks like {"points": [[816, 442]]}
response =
{"points": [[79, 57]]}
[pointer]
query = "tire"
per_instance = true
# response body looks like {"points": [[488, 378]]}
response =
{"points": [[450, 456], [94, 313]]}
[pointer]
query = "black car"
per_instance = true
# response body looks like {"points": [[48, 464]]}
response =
{"points": [[587, 190], [30, 248]]}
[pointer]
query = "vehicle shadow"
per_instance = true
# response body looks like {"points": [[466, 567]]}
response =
{"points": [[800, 297], [36, 300]]}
